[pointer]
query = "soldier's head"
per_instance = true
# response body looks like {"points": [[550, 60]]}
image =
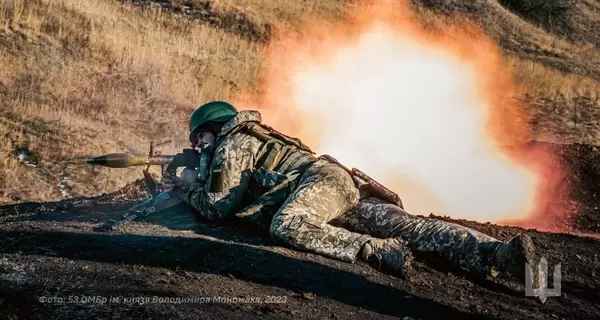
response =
{"points": [[206, 122]]}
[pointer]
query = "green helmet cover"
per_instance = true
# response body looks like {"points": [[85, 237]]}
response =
{"points": [[215, 111]]}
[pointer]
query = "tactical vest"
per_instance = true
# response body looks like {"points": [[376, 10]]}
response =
{"points": [[279, 152], [285, 158], [281, 160]]}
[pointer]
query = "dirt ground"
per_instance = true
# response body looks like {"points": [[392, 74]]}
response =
{"points": [[54, 265]]}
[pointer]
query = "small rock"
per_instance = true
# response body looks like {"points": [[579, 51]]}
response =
{"points": [[308, 296]]}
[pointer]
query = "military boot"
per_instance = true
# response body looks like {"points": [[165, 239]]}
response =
{"points": [[391, 253], [510, 258]]}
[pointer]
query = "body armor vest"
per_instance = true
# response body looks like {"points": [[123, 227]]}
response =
{"points": [[279, 152]]}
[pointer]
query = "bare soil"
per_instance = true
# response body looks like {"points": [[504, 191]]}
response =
{"points": [[54, 265]]}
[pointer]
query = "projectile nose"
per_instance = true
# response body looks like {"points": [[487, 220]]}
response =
{"points": [[113, 160], [97, 160]]}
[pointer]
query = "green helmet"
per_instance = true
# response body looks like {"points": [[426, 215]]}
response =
{"points": [[215, 111]]}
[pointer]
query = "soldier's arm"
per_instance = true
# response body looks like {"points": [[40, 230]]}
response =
{"points": [[222, 194]]}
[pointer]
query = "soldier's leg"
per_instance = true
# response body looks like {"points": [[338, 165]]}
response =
{"points": [[325, 191], [462, 246]]}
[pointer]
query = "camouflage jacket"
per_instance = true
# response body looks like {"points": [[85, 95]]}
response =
{"points": [[238, 183]]}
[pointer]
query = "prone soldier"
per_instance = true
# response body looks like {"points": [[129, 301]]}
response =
{"points": [[250, 171]]}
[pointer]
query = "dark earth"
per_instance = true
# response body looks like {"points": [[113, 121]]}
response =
{"points": [[53, 265]]}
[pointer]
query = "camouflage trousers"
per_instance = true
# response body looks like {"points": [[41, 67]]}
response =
{"points": [[326, 196], [458, 245], [324, 192]]}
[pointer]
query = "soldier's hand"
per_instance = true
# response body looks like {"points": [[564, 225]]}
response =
{"points": [[189, 176], [170, 182]]}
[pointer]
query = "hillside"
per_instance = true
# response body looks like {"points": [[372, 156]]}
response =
{"points": [[82, 78], [552, 47], [54, 264]]}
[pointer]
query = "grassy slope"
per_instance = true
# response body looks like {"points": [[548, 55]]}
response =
{"points": [[79, 78], [556, 64]]}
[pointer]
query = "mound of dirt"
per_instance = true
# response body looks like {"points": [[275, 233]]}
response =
{"points": [[52, 265], [132, 191], [583, 176], [576, 192], [172, 265]]}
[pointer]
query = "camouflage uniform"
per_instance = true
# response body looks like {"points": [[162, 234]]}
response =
{"points": [[294, 203], [297, 195], [462, 246]]}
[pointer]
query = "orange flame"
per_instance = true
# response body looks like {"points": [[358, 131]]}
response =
{"points": [[425, 113]]}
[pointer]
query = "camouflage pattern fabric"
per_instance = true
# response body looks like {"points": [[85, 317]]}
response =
{"points": [[231, 171], [459, 245], [297, 211], [325, 192]]}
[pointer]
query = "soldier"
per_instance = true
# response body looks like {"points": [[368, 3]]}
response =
{"points": [[251, 172]]}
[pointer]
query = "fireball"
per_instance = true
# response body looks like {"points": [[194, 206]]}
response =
{"points": [[423, 112]]}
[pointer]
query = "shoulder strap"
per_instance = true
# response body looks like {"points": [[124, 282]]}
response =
{"points": [[278, 151], [265, 133], [276, 147]]}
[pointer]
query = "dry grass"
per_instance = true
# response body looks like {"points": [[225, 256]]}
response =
{"points": [[564, 107], [529, 38], [558, 73], [83, 77], [540, 80], [79, 78], [98, 77]]}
